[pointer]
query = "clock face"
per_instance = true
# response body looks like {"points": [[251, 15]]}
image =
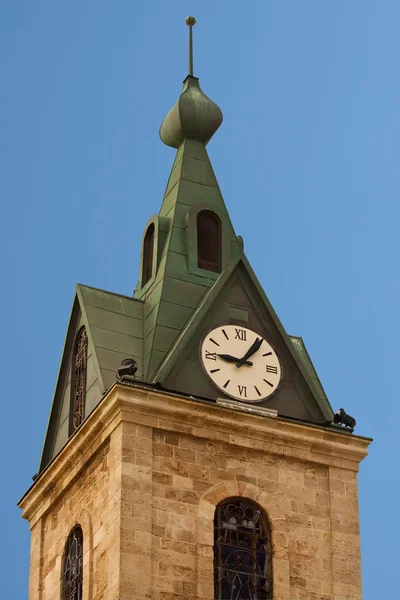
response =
{"points": [[241, 363]]}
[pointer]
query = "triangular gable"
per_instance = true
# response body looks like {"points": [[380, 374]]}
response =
{"points": [[114, 327], [58, 423], [238, 296]]}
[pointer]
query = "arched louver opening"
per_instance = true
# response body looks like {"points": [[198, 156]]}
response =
{"points": [[209, 241], [78, 381], [242, 551], [148, 249], [72, 574]]}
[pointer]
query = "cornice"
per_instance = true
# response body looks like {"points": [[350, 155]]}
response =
{"points": [[66, 465], [200, 419], [275, 435]]}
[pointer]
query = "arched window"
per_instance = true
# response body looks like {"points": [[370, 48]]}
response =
{"points": [[78, 381], [72, 574], [148, 248], [242, 551], [209, 241]]}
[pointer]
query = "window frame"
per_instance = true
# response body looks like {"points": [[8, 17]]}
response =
{"points": [[202, 262], [72, 537], [239, 543], [161, 228], [228, 250], [73, 396], [148, 254]]}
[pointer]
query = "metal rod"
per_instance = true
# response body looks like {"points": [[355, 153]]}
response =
{"points": [[190, 50], [190, 21]]}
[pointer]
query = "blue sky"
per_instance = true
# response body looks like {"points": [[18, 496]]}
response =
{"points": [[307, 160]]}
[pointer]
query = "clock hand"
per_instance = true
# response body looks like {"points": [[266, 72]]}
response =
{"points": [[229, 358], [252, 350]]}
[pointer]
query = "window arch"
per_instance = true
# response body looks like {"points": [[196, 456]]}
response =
{"points": [[209, 241], [148, 249], [78, 381], [72, 574], [242, 551]]}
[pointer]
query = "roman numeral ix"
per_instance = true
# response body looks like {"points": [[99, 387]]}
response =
{"points": [[211, 355]]}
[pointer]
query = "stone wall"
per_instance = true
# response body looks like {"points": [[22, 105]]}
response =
{"points": [[143, 477]]}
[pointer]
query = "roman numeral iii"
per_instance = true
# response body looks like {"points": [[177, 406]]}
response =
{"points": [[272, 369]]}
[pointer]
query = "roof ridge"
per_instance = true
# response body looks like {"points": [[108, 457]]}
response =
{"points": [[91, 287]]}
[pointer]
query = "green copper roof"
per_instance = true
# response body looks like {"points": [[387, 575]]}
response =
{"points": [[162, 326], [114, 326], [178, 283], [311, 374], [237, 296], [195, 116]]}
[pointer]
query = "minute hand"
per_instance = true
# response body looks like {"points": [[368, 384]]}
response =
{"points": [[252, 350]]}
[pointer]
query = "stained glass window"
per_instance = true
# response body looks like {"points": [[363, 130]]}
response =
{"points": [[72, 566], [209, 241], [148, 248], [242, 552], [78, 383]]}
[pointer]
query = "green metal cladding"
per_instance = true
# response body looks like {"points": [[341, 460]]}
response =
{"points": [[162, 325]]}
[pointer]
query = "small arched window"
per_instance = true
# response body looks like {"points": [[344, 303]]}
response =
{"points": [[148, 249], [209, 241], [242, 551], [78, 381], [72, 574]]}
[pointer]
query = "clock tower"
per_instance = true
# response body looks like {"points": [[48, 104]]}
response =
{"points": [[191, 451]]}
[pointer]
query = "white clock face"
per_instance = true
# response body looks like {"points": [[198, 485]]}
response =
{"points": [[241, 363]]}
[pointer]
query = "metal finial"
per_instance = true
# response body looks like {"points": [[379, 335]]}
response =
{"points": [[190, 21]]}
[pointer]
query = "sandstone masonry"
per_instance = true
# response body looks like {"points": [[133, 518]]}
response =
{"points": [[143, 476]]}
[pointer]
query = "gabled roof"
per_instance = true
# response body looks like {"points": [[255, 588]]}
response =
{"points": [[319, 392], [197, 325], [162, 325], [114, 326]]}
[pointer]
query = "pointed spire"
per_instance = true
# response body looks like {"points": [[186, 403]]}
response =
{"points": [[179, 281], [195, 116]]}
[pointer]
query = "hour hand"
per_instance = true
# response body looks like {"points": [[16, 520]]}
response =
{"points": [[233, 359]]}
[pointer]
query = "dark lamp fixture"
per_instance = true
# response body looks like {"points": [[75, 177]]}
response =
{"points": [[342, 418], [127, 370]]}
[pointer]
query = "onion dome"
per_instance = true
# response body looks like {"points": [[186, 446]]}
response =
{"points": [[195, 116]]}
